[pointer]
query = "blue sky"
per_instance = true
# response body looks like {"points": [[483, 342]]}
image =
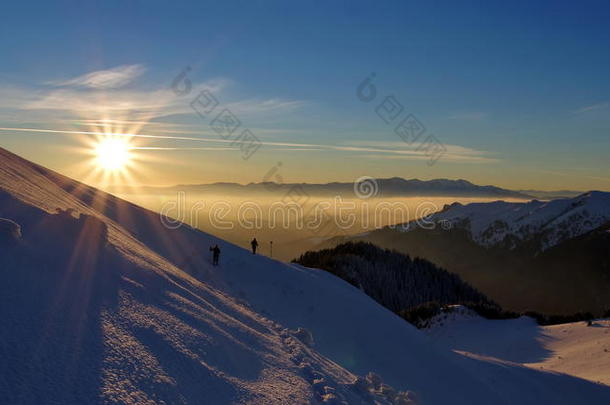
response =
{"points": [[517, 93]]}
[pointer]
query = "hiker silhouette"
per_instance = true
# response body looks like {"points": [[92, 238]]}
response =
{"points": [[254, 245], [215, 254]]}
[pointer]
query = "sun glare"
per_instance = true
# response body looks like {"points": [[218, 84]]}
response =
{"points": [[112, 154]]}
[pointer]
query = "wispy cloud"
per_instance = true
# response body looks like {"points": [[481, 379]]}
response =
{"points": [[468, 116], [378, 150], [400, 150], [254, 106], [137, 104], [447, 157], [593, 107], [144, 104], [104, 79], [100, 102], [564, 174]]}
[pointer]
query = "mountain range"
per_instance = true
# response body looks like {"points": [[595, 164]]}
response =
{"points": [[389, 187], [551, 257], [103, 304], [537, 224]]}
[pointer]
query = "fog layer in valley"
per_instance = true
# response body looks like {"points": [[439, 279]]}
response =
{"points": [[293, 223]]}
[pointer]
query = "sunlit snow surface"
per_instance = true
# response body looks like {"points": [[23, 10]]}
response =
{"points": [[574, 348], [101, 304], [546, 223]]}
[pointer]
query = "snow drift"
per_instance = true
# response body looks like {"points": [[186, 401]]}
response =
{"points": [[101, 303]]}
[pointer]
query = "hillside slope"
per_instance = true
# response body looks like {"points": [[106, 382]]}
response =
{"points": [[392, 279], [551, 257], [572, 348], [90, 314], [101, 303]]}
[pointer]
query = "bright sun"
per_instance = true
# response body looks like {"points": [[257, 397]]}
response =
{"points": [[112, 154]]}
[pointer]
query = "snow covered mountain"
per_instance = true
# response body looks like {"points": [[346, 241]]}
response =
{"points": [[572, 348], [102, 304], [537, 223], [551, 257]]}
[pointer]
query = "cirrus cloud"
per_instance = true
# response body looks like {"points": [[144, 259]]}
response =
{"points": [[104, 79], [593, 107]]}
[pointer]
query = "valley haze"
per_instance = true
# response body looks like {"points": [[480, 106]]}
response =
{"points": [[310, 203]]}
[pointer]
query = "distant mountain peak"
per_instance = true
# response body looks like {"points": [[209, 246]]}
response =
{"points": [[388, 187], [546, 223]]}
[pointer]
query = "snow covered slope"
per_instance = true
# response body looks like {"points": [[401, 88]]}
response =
{"points": [[573, 348], [545, 224], [101, 303]]}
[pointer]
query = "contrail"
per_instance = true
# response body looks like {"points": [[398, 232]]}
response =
{"points": [[187, 138], [178, 148], [179, 138], [54, 131], [284, 145]]}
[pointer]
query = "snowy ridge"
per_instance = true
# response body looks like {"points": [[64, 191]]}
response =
{"points": [[104, 305], [509, 224], [449, 314], [96, 316]]}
